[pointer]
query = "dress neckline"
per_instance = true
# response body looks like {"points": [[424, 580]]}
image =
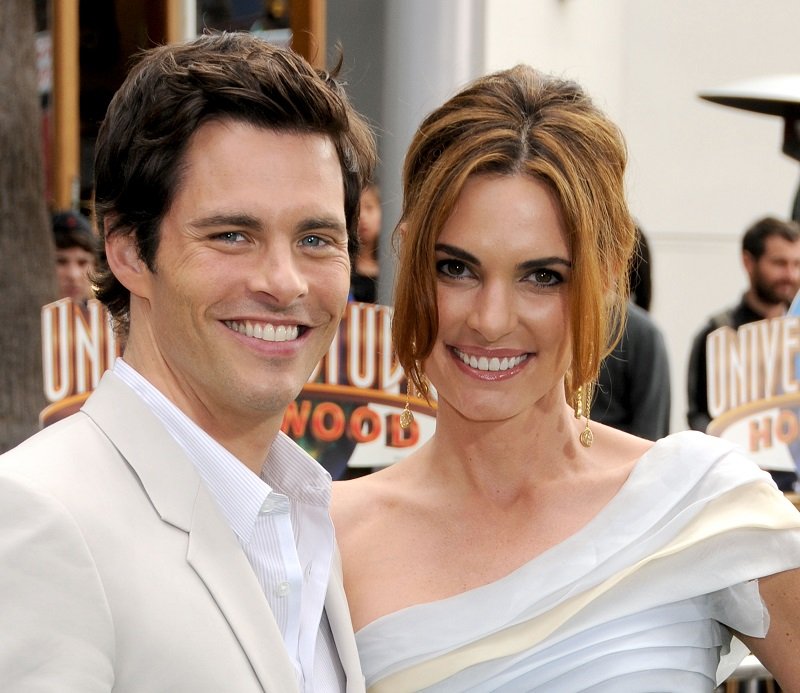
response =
{"points": [[613, 522]]}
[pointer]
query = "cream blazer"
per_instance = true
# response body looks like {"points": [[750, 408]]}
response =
{"points": [[118, 571]]}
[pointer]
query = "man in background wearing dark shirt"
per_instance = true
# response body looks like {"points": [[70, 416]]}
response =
{"points": [[771, 258]]}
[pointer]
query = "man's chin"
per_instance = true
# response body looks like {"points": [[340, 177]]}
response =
{"points": [[775, 298]]}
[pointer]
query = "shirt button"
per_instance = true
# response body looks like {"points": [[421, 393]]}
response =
{"points": [[282, 589]]}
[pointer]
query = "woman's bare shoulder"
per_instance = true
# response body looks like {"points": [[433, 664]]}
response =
{"points": [[370, 496], [614, 448]]}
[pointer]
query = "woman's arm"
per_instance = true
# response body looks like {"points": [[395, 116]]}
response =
{"points": [[778, 651]]}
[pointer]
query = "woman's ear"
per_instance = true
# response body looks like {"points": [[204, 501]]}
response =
{"points": [[123, 258]]}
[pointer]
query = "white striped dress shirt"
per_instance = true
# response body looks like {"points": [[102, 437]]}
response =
{"points": [[283, 523]]}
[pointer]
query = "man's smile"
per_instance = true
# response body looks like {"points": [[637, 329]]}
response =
{"points": [[266, 331]]}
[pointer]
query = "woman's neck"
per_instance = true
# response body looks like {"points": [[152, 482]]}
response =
{"points": [[528, 449]]}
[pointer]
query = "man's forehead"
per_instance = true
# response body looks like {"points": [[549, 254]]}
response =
{"points": [[777, 246]]}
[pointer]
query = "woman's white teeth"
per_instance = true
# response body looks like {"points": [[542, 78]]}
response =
{"points": [[267, 332], [483, 363]]}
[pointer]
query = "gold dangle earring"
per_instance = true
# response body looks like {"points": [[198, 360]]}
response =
{"points": [[583, 404], [407, 416]]}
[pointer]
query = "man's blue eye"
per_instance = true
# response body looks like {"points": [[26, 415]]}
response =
{"points": [[230, 236]]}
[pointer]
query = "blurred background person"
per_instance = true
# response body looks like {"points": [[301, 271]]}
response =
{"points": [[640, 273], [76, 245], [633, 387], [771, 258], [364, 279]]}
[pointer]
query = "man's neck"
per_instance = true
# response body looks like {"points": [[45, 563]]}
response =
{"points": [[249, 440], [768, 310]]}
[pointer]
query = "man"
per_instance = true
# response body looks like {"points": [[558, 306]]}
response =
{"points": [[168, 537], [771, 258], [75, 255]]}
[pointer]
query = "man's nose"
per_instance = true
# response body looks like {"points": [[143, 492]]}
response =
{"points": [[281, 274]]}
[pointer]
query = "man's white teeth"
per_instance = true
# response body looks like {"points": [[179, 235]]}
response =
{"points": [[267, 332], [482, 363]]}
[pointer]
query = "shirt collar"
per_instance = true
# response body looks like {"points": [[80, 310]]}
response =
{"points": [[240, 493]]}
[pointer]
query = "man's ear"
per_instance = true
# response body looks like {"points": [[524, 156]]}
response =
{"points": [[124, 261], [749, 262]]}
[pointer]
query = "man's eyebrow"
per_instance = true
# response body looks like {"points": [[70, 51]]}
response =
{"points": [[240, 220], [528, 265], [249, 221], [323, 222]]}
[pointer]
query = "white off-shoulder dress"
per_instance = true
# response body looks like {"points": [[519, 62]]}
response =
{"points": [[640, 599]]}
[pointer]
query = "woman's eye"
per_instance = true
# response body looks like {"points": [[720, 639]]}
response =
{"points": [[546, 277], [452, 268]]}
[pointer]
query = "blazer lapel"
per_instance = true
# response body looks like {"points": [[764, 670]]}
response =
{"points": [[341, 624], [218, 559], [180, 498]]}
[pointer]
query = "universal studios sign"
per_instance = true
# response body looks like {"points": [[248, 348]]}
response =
{"points": [[754, 389], [347, 415]]}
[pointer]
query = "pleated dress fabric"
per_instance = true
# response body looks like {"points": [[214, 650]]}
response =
{"points": [[642, 598]]}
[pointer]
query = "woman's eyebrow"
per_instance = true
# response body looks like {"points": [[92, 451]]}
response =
{"points": [[527, 266], [540, 262], [457, 253]]}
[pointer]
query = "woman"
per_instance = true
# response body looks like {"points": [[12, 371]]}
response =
{"points": [[363, 283], [522, 548]]}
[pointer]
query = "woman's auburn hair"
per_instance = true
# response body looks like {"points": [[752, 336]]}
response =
{"points": [[519, 122]]}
